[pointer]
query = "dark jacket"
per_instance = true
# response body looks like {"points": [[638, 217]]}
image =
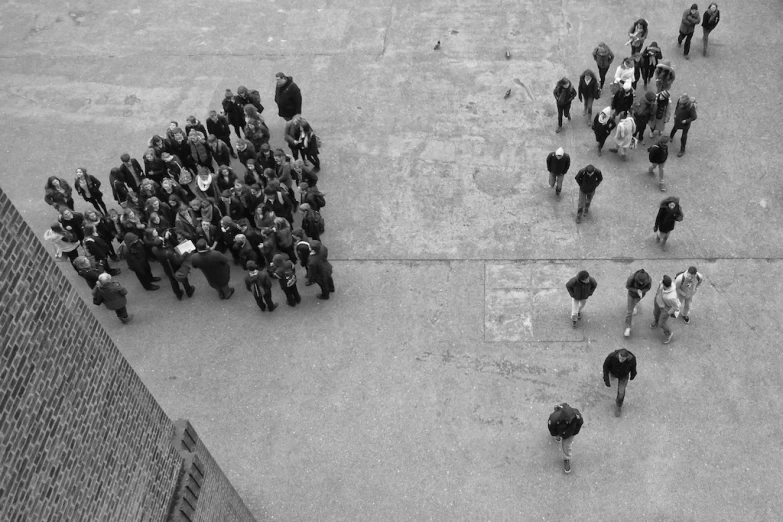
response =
{"points": [[564, 95], [219, 127], [132, 175], [710, 20], [603, 131], [612, 365], [186, 229], [659, 153], [281, 204], [689, 21], [112, 295], [119, 187], [93, 187], [589, 91], [248, 153], [266, 162], [132, 249], [650, 57], [684, 112], [639, 280], [579, 290], [588, 183], [75, 225], [198, 127], [90, 275], [234, 113], [667, 217], [565, 421], [603, 57], [155, 169], [288, 99], [168, 258], [622, 100], [220, 152], [555, 165], [259, 283], [214, 265], [319, 270], [245, 253], [98, 247]]}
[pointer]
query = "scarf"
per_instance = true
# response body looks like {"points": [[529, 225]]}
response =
{"points": [[204, 185]]}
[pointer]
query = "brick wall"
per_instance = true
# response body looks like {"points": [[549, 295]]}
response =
{"points": [[81, 438]]}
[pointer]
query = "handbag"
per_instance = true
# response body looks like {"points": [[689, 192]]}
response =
{"points": [[634, 143], [318, 140]]}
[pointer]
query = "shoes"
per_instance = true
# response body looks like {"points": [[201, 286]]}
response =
{"points": [[557, 131], [650, 172], [272, 308], [625, 158], [567, 466], [687, 57], [579, 316], [657, 238], [586, 211], [680, 154], [569, 117], [662, 187], [618, 410], [573, 323], [233, 154], [126, 319], [191, 291], [679, 44], [686, 319], [308, 283], [557, 192], [627, 332], [155, 279], [599, 152], [558, 439], [663, 247], [668, 338], [578, 219], [654, 324], [291, 303], [322, 296], [704, 52], [179, 297], [230, 293], [152, 287]]}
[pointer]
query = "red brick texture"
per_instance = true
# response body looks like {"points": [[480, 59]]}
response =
{"points": [[81, 438]]}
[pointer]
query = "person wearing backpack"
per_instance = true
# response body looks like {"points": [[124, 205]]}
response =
{"points": [[284, 270], [565, 423], [638, 284], [312, 222], [260, 284], [686, 283], [312, 196], [669, 213], [684, 114], [659, 153], [662, 113]]}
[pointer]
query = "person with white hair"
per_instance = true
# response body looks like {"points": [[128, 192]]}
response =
{"points": [[112, 295], [557, 164]]}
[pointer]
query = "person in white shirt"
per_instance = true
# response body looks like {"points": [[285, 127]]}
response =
{"points": [[666, 305], [686, 284]]}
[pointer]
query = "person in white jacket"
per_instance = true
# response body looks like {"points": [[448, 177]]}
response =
{"points": [[686, 285], [666, 305]]}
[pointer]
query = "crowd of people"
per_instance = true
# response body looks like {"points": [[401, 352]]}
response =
{"points": [[626, 118], [201, 201]]}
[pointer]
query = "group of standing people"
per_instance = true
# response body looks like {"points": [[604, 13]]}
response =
{"points": [[627, 118], [200, 201]]}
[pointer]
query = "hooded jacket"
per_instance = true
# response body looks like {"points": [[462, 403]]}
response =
{"points": [[603, 124], [564, 92], [639, 280], [659, 153], [132, 249], [603, 56], [558, 166], [565, 421], [579, 290], [591, 90], [283, 269], [666, 298], [685, 111], [288, 99], [588, 183], [112, 294], [667, 217], [613, 366]]}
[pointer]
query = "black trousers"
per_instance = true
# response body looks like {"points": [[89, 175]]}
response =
{"points": [[326, 286], [227, 141], [291, 294], [186, 286], [684, 137], [264, 301], [602, 75], [145, 276], [312, 159], [563, 110], [99, 205], [687, 38], [122, 313]]}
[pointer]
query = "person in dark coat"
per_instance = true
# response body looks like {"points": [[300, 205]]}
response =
{"points": [[603, 57], [588, 91], [245, 151], [603, 125], [154, 166], [308, 143], [580, 288], [85, 269], [557, 163], [266, 158], [301, 247], [279, 202], [164, 250], [622, 101], [188, 220], [58, 193], [564, 423], [650, 58], [319, 270], [89, 187], [212, 235], [132, 172], [690, 19], [311, 221], [260, 284], [708, 23], [287, 97], [194, 124], [215, 267], [112, 295], [217, 125], [638, 284], [73, 222], [284, 270], [684, 114], [643, 110], [219, 150], [588, 180], [100, 249], [119, 189], [243, 251], [132, 249], [233, 112], [620, 364], [658, 154], [669, 213], [564, 94]]}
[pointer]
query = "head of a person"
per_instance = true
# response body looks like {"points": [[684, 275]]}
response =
{"points": [[149, 155], [205, 224], [113, 215], [298, 165], [212, 139], [66, 213], [280, 78], [129, 214], [713, 7], [193, 136], [304, 207], [559, 152], [91, 216], [565, 82], [251, 266], [80, 172], [201, 245], [265, 149], [583, 276], [251, 112], [315, 246], [667, 281], [664, 140], [242, 90], [155, 218], [628, 62], [691, 273], [241, 145], [125, 158], [240, 239], [672, 205], [104, 279], [622, 355], [590, 170], [251, 164], [179, 135], [269, 191], [192, 120], [228, 94], [81, 263], [694, 9], [279, 155], [195, 204], [154, 203], [213, 115], [54, 182], [173, 125]]}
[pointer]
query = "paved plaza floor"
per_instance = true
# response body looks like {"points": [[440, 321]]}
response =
{"points": [[421, 390]]}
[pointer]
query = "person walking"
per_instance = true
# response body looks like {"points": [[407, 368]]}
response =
{"points": [[288, 97], [260, 284], [665, 305], [642, 111], [622, 101], [319, 270], [658, 154], [557, 163], [580, 288], [623, 136], [638, 284], [215, 267], [650, 58], [690, 18], [233, 112], [662, 113], [664, 76], [564, 424], [669, 213], [564, 94], [603, 57], [621, 365], [708, 23], [637, 33], [112, 295], [588, 180], [588, 91], [687, 283], [603, 125], [625, 72], [684, 115]]}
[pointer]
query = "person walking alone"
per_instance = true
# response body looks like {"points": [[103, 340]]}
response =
{"points": [[588, 180], [603, 57], [564, 94], [638, 284], [603, 125], [658, 154], [564, 424], [620, 364], [684, 115], [557, 163], [588, 91], [580, 288], [669, 213]]}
